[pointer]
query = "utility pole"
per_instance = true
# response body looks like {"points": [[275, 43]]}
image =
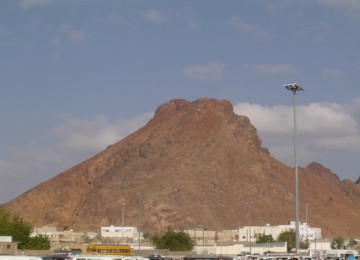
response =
{"points": [[122, 223], [306, 219], [249, 204], [139, 201], [295, 88]]}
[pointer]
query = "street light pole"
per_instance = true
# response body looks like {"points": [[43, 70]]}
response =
{"points": [[306, 219], [139, 195], [122, 223], [295, 88], [249, 203]]}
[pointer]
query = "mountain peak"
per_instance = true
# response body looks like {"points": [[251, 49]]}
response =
{"points": [[199, 105], [193, 108], [193, 162]]}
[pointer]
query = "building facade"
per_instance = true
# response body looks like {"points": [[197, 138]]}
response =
{"points": [[59, 239], [201, 236], [250, 233], [7, 246], [237, 248], [228, 235], [121, 234]]}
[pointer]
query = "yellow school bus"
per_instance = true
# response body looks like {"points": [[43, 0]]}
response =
{"points": [[108, 250]]}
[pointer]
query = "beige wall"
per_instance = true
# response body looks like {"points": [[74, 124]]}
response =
{"points": [[60, 238], [228, 235], [237, 248], [8, 248], [202, 236]]}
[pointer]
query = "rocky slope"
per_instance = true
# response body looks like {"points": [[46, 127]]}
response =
{"points": [[193, 163]]}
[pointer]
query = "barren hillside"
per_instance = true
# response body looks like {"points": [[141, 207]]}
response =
{"points": [[193, 163]]}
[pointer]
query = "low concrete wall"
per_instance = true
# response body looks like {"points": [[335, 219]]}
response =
{"points": [[35, 252], [8, 248], [164, 252]]}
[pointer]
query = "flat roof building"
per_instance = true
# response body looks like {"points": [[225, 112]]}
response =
{"points": [[250, 233]]}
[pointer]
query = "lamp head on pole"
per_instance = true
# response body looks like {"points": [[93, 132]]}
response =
{"points": [[293, 87]]}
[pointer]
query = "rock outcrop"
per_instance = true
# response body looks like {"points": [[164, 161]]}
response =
{"points": [[192, 163]]}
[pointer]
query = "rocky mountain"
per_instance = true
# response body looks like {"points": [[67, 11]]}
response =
{"points": [[192, 163]]}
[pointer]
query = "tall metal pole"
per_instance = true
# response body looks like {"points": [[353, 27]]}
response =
{"points": [[203, 236], [122, 223], [249, 203], [294, 88], [306, 219], [139, 195], [296, 177]]}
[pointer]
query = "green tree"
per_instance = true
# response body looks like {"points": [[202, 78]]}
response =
{"points": [[146, 234], [289, 237], [18, 229], [338, 242], [39, 242], [262, 238], [87, 240], [352, 243], [21, 231], [174, 241], [5, 222], [304, 244]]}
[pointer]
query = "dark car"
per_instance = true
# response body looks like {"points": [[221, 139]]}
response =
{"points": [[158, 257]]}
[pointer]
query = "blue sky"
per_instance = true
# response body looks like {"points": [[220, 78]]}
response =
{"points": [[77, 75]]}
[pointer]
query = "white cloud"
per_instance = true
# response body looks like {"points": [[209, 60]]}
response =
{"points": [[271, 69], [317, 32], [117, 19], [354, 106], [252, 30], [316, 121], [192, 23], [2, 29], [285, 153], [57, 56], [349, 142], [327, 132], [269, 120], [85, 134], [330, 72], [208, 72], [75, 35], [95, 134], [67, 144], [326, 119], [27, 4], [350, 8], [152, 15], [55, 41]]}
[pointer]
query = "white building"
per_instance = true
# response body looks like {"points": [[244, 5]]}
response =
{"points": [[305, 231], [62, 238], [120, 232], [236, 248], [201, 236]]}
